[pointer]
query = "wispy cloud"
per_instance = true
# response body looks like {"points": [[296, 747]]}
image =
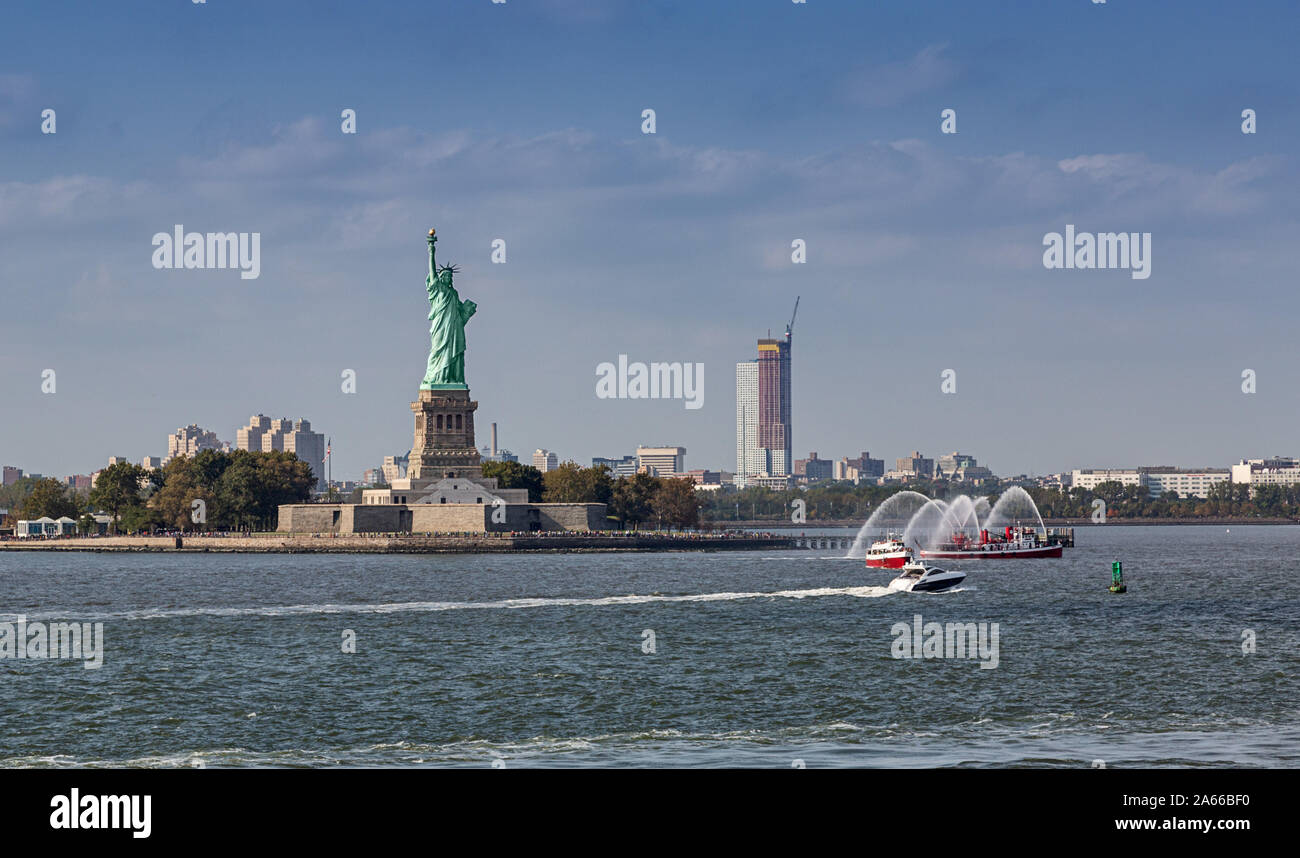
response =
{"points": [[894, 83]]}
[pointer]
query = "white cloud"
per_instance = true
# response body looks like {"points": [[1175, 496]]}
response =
{"points": [[894, 83]]}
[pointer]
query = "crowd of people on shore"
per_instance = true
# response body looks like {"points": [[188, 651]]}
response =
{"points": [[719, 536]]}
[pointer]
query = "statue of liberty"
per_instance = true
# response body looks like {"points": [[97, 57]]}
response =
{"points": [[448, 315]]}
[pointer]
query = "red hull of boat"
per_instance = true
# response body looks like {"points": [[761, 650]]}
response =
{"points": [[887, 562], [992, 553]]}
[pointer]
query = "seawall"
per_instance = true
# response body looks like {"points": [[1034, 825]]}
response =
{"points": [[308, 543]]}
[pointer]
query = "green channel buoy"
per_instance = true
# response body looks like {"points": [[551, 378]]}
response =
{"points": [[1117, 578]]}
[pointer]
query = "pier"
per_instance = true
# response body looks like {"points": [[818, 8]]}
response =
{"points": [[823, 543]]}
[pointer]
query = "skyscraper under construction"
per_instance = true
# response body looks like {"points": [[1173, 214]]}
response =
{"points": [[764, 436]]}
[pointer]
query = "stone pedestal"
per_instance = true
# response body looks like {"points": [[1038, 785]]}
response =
{"points": [[444, 437]]}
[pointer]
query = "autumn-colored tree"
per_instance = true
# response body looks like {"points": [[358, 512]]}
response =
{"points": [[570, 483], [675, 503], [174, 501]]}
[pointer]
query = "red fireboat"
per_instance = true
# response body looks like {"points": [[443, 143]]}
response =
{"points": [[1012, 542]]}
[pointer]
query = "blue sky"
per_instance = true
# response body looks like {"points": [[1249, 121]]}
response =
{"points": [[775, 121]]}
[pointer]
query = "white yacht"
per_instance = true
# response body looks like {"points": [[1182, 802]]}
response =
{"points": [[922, 578]]}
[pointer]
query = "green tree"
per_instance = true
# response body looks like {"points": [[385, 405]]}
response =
{"points": [[180, 488], [13, 495], [676, 504], [48, 497], [253, 485], [570, 483], [596, 484], [513, 475], [560, 484], [241, 489], [118, 488], [140, 518], [632, 497]]}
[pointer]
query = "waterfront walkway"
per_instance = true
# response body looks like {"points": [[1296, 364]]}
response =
{"points": [[408, 543]]}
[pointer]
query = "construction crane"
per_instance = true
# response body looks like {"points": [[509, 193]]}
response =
{"points": [[790, 327]]}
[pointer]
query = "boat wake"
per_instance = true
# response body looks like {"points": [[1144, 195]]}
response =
{"points": [[867, 592]]}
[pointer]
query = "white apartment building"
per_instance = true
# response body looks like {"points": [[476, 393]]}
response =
{"points": [[749, 459], [1188, 484], [1277, 471], [266, 435], [545, 460], [1093, 477], [394, 468], [250, 437], [1156, 480], [662, 461], [189, 440]]}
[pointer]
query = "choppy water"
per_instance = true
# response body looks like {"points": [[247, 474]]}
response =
{"points": [[761, 659]]}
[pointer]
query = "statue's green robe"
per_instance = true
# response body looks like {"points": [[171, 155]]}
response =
{"points": [[448, 315]]}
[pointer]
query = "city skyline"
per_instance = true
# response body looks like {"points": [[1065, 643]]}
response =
{"points": [[923, 250]]}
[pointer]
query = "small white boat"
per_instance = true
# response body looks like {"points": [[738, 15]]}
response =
{"points": [[922, 578]]}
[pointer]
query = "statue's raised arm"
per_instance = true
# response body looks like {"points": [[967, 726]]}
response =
{"points": [[433, 265]]}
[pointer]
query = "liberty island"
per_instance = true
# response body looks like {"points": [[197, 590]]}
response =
{"points": [[444, 489]]}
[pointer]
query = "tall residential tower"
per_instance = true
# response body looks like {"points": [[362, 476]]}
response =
{"points": [[764, 434]]}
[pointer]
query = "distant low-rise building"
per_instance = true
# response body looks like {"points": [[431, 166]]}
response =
{"points": [[1156, 479], [618, 468], [899, 476], [867, 467], [843, 469], [1090, 478], [189, 440], [12, 475], [394, 468], [1187, 483], [1276, 471], [769, 481], [961, 468], [662, 461], [250, 437], [290, 436], [706, 480], [916, 464], [812, 469], [545, 460]]}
